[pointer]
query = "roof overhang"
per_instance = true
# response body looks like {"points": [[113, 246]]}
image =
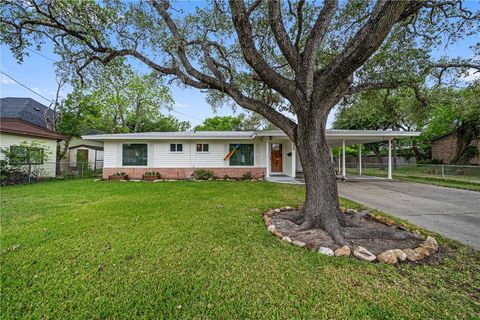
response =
{"points": [[334, 137], [24, 128]]}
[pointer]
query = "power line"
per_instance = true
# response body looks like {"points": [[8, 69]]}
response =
{"points": [[41, 54], [26, 87], [186, 115], [38, 94]]}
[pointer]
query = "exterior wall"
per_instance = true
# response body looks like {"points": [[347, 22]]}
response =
{"points": [[49, 145], [94, 162], [180, 165], [185, 173], [79, 141], [445, 148]]}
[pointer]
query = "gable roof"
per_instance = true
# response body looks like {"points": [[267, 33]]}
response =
{"points": [[25, 109]]}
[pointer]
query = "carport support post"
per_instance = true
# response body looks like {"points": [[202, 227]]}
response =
{"points": [[267, 159], [390, 159], [360, 159], [294, 159], [344, 173]]}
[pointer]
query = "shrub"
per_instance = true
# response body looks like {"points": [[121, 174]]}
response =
{"points": [[247, 176], [152, 173], [226, 177], [120, 174], [430, 161], [203, 174]]}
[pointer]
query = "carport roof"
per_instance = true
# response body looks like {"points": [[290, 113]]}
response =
{"points": [[334, 136]]}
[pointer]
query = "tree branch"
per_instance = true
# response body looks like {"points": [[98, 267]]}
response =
{"points": [[281, 35], [364, 44], [254, 59]]}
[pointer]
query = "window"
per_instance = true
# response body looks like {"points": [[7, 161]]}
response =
{"points": [[135, 154], [26, 155], [243, 156], [176, 147], [202, 147]]}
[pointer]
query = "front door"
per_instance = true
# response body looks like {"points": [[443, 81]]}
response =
{"points": [[276, 157]]}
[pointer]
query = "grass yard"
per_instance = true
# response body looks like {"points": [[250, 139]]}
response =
{"points": [[450, 181], [96, 250]]}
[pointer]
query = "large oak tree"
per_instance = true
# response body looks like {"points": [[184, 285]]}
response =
{"points": [[269, 57]]}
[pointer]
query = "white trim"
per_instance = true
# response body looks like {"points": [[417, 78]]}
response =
{"points": [[360, 159], [294, 164], [267, 159], [344, 171], [389, 159]]}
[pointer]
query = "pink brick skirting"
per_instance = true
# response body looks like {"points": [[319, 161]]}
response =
{"points": [[184, 173]]}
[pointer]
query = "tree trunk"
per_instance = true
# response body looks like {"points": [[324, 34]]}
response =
{"points": [[60, 155], [321, 208]]}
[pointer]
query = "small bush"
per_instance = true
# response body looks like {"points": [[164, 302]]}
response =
{"points": [[203, 174], [226, 177], [430, 161], [120, 174], [247, 176], [152, 173]]}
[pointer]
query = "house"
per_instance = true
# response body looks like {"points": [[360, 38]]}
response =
{"points": [[24, 120], [444, 148], [85, 151], [177, 154]]}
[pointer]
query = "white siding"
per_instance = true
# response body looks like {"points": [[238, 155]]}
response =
{"points": [[110, 154], [159, 155], [49, 145]]}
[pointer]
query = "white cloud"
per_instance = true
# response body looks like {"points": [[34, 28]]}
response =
{"points": [[472, 75], [5, 80]]}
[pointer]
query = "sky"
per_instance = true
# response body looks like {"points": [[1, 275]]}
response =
{"points": [[38, 73]]}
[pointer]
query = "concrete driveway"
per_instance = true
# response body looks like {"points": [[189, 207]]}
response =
{"points": [[453, 213]]}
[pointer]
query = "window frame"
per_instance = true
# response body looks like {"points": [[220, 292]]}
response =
{"points": [[176, 147], [134, 165], [242, 165], [24, 160], [202, 147]]}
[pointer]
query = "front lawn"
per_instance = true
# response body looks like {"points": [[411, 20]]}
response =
{"points": [[84, 249]]}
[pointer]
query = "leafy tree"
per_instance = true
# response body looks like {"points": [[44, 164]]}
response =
{"points": [[272, 58], [220, 123]]}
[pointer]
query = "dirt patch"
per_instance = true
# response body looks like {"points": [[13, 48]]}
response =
{"points": [[417, 248]]}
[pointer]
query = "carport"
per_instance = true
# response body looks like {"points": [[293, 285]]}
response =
{"points": [[335, 138], [343, 138]]}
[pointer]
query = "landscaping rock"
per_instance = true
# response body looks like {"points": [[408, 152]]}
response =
{"points": [[422, 252], [363, 254], [411, 255], [277, 233], [300, 244], [287, 239], [277, 210], [343, 252], [271, 228], [351, 211], [326, 251], [389, 257], [430, 244], [402, 256]]}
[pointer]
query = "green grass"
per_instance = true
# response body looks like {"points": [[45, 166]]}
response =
{"points": [[447, 182], [96, 250]]}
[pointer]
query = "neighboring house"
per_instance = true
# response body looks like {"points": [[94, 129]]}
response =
{"points": [[80, 150], [177, 154], [25, 120], [444, 148]]}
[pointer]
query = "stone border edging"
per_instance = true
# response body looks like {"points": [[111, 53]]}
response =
{"points": [[428, 247]]}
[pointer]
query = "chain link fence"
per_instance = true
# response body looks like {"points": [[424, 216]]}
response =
{"points": [[447, 172], [28, 173]]}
